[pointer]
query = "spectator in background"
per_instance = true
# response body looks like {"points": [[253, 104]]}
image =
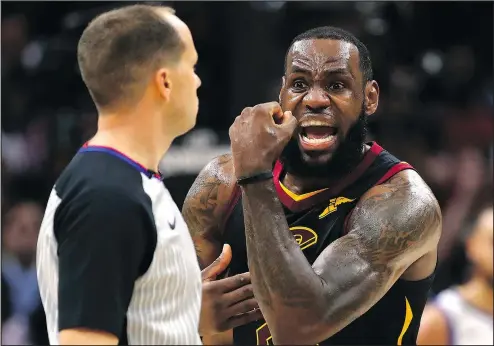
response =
{"points": [[464, 177], [20, 233], [463, 315], [6, 304]]}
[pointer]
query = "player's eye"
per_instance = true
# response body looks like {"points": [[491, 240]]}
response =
{"points": [[299, 84], [336, 86]]}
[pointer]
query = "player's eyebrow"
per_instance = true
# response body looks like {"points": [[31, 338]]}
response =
{"points": [[326, 72]]}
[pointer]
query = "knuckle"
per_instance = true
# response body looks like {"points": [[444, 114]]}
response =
{"points": [[246, 111], [240, 279], [247, 290], [273, 104], [257, 108]]}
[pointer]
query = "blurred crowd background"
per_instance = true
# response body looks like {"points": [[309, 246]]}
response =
{"points": [[433, 61]]}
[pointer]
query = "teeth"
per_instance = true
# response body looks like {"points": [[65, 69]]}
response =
{"points": [[308, 123], [317, 140]]}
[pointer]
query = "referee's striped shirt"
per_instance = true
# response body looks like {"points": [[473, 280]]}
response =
{"points": [[114, 254]]}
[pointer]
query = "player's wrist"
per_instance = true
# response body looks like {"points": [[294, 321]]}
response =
{"points": [[253, 178]]}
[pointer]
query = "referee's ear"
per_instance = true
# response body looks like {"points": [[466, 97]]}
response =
{"points": [[219, 265], [163, 83]]}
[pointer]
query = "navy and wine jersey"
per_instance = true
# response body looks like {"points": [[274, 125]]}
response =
{"points": [[317, 219]]}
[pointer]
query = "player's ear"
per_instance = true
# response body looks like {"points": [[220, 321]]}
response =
{"points": [[371, 97], [163, 83]]}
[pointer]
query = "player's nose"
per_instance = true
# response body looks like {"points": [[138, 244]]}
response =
{"points": [[316, 98]]}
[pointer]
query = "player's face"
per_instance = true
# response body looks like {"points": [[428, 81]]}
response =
{"points": [[480, 246], [323, 88]]}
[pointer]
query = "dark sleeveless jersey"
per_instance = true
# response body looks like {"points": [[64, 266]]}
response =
{"points": [[316, 220]]}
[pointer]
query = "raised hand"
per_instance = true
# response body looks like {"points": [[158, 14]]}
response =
{"points": [[258, 136]]}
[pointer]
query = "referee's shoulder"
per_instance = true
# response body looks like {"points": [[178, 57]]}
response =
{"points": [[92, 178]]}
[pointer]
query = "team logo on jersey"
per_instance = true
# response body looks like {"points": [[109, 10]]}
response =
{"points": [[333, 205], [304, 236]]}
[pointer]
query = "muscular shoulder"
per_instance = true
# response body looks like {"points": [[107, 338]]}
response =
{"points": [[400, 219], [211, 191], [217, 174], [206, 204]]}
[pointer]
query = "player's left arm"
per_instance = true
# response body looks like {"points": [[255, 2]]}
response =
{"points": [[392, 226]]}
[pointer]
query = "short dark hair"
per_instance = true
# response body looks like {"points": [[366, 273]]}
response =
{"points": [[333, 33], [119, 49]]}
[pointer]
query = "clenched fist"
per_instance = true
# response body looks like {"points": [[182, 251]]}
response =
{"points": [[258, 136]]}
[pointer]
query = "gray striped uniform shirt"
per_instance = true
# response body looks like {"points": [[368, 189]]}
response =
{"points": [[114, 254]]}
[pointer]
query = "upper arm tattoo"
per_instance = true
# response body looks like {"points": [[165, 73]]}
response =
{"points": [[392, 226], [397, 222], [204, 205]]}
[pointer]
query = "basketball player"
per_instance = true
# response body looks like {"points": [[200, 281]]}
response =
{"points": [[116, 263], [338, 235], [463, 315]]}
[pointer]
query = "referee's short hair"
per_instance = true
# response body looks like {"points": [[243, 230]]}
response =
{"points": [[120, 49]]}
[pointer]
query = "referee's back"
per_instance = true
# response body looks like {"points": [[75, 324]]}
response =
{"points": [[114, 254]]}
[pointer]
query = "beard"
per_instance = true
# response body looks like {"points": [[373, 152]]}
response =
{"points": [[344, 159]]}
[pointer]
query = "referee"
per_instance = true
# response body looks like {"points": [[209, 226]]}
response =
{"points": [[115, 261]]}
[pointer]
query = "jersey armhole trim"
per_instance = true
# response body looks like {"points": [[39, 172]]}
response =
{"points": [[232, 202], [394, 170]]}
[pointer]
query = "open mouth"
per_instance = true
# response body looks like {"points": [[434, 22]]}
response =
{"points": [[317, 135]]}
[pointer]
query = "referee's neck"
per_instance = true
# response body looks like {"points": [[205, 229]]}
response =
{"points": [[133, 136]]}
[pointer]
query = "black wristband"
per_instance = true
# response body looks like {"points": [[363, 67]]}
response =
{"points": [[255, 178]]}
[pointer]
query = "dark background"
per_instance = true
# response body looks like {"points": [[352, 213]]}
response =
{"points": [[433, 62]]}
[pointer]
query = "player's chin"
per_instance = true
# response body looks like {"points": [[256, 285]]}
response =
{"points": [[317, 151]]}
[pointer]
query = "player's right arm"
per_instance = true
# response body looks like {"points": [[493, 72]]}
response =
{"points": [[103, 237], [433, 327], [227, 303]]}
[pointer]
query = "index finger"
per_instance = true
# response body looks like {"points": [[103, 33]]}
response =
{"points": [[233, 282], [275, 111]]}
